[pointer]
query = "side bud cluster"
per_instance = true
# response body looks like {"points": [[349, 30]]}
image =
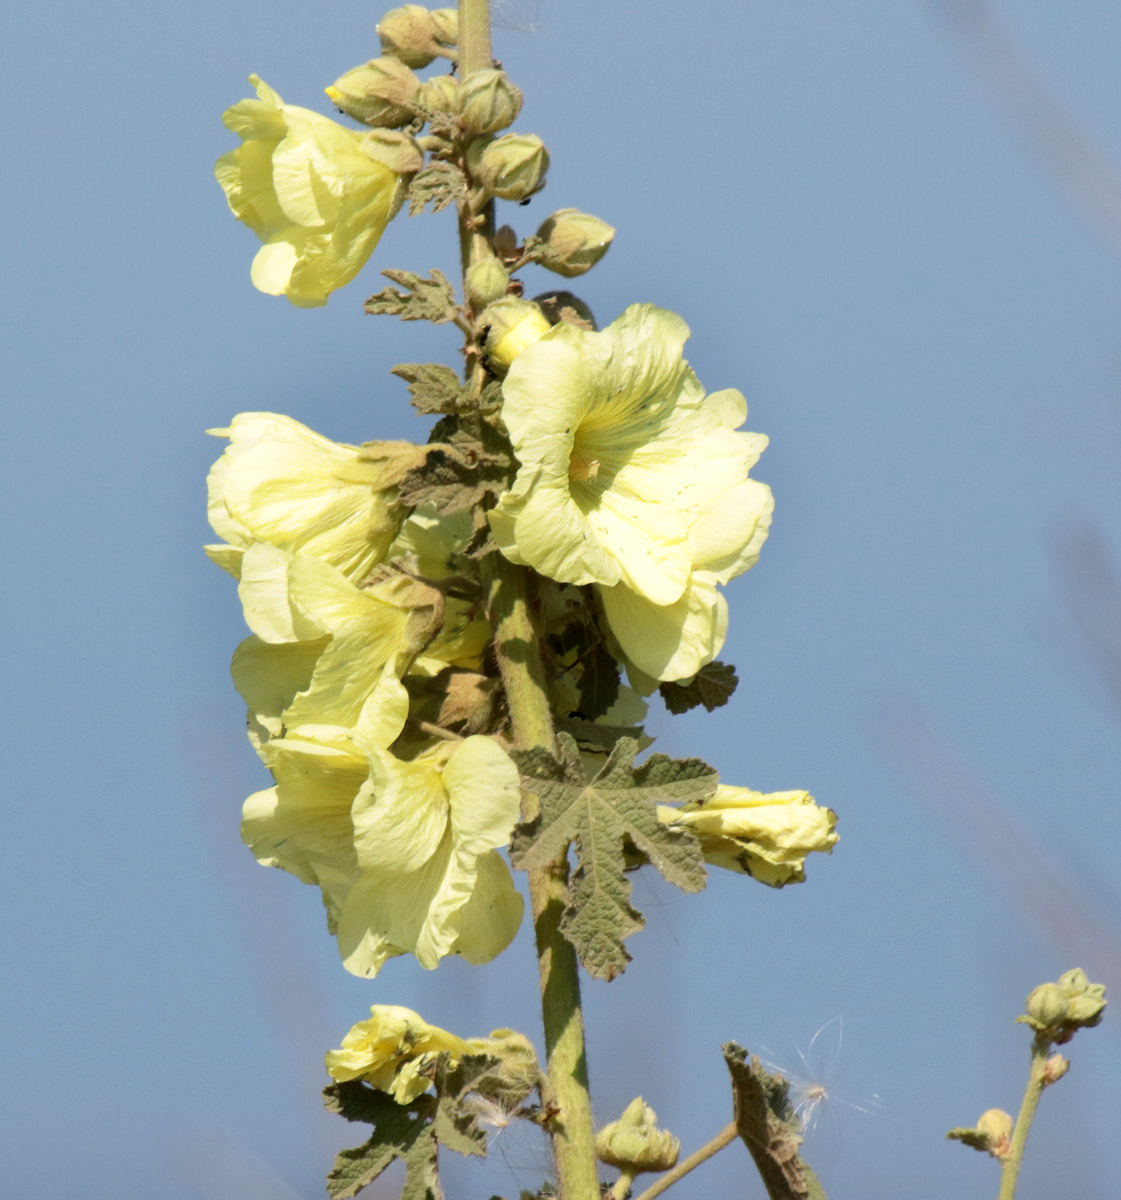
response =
{"points": [[1058, 1010], [635, 1144]]}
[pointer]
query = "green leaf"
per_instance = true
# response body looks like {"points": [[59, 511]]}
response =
{"points": [[712, 686], [456, 1124], [598, 680], [440, 184], [973, 1138], [602, 818], [400, 1131], [434, 388], [769, 1127], [467, 461], [421, 300], [588, 735]]}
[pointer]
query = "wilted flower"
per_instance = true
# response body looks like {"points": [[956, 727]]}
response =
{"points": [[391, 1050], [278, 482], [765, 835], [307, 189], [632, 479]]}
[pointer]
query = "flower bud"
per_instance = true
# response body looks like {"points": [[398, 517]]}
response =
{"points": [[517, 1073], [512, 326], [573, 242], [486, 281], [379, 93], [511, 167], [565, 306], [440, 94], [995, 1125], [1085, 1000], [445, 24], [1055, 1068], [1046, 1006], [409, 33], [394, 149], [488, 102], [634, 1142]]}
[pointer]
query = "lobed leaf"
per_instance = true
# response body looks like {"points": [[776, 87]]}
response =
{"points": [[712, 686], [422, 299], [400, 1131], [604, 818], [434, 388], [440, 184]]}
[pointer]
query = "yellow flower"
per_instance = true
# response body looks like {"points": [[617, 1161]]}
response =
{"points": [[391, 1050], [765, 835], [308, 190], [431, 880], [405, 853], [280, 483], [634, 480]]}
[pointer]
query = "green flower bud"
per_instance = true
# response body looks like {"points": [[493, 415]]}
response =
{"points": [[1085, 1000], [486, 281], [440, 94], [565, 306], [379, 93], [511, 167], [394, 149], [1046, 1007], [635, 1143], [512, 326], [488, 102], [445, 22], [573, 242], [409, 33]]}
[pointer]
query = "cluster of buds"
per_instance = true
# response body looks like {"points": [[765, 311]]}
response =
{"points": [[1056, 1011], [635, 1144]]}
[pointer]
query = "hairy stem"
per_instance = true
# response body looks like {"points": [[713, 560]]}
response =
{"points": [[565, 1091], [517, 646], [725, 1137], [1037, 1081]]}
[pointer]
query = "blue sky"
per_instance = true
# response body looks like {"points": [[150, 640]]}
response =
{"points": [[926, 325]]}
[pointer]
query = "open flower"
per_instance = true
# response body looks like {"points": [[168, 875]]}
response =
{"points": [[765, 835], [634, 480], [391, 1050], [308, 190], [431, 881], [278, 482]]}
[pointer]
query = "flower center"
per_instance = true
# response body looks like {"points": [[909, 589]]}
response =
{"points": [[582, 467]]}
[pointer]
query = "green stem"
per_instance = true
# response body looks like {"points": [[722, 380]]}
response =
{"points": [[725, 1137], [1037, 1081], [565, 1090], [475, 53]]}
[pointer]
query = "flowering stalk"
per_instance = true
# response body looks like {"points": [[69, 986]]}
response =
{"points": [[517, 643], [1037, 1081]]}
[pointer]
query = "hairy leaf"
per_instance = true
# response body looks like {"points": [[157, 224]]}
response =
{"points": [[440, 184], [421, 300], [400, 1131], [467, 460], [598, 679], [769, 1127], [590, 736], [456, 1124], [434, 388], [602, 818], [712, 686]]}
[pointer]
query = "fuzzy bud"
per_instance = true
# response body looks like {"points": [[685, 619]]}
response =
{"points": [[440, 94], [409, 33], [511, 167], [486, 281], [517, 1073], [1054, 1069], [1046, 1006], [512, 326], [1060, 1009], [394, 149], [572, 242], [634, 1142], [488, 102], [995, 1125], [445, 25], [380, 93]]}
